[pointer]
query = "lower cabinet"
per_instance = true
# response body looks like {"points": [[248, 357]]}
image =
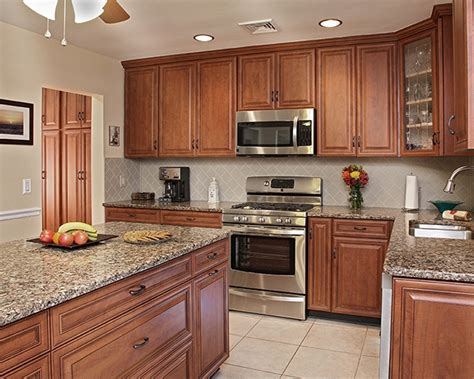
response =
{"points": [[432, 329], [37, 369]]}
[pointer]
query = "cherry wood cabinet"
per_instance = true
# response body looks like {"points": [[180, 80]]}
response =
{"points": [[150, 216], [276, 80], [76, 110], [192, 218], [37, 369], [432, 328], [345, 263], [51, 179], [463, 69], [51, 112], [141, 112]]}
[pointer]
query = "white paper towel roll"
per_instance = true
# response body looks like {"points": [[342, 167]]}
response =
{"points": [[411, 192]]}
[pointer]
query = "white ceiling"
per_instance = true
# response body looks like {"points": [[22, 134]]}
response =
{"points": [[163, 27]]}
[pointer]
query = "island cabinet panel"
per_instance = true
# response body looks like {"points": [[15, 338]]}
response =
{"points": [[216, 102], [192, 218], [141, 107], [376, 100], [151, 216], [209, 256], [87, 312], [177, 109], [154, 330], [432, 329], [211, 320], [336, 101], [37, 369], [319, 265], [23, 340]]}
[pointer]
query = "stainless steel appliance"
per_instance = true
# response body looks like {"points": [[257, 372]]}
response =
{"points": [[268, 245], [278, 132], [176, 183]]}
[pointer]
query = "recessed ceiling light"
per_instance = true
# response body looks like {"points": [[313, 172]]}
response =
{"points": [[330, 23], [203, 37]]}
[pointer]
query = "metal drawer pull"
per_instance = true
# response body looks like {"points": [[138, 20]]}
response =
{"points": [[213, 273], [451, 130], [132, 215], [212, 256], [190, 218], [140, 290], [360, 228], [139, 345]]}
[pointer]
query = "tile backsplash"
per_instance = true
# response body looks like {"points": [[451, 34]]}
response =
{"points": [[386, 185]]}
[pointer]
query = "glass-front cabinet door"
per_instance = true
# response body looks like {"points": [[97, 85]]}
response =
{"points": [[419, 128]]}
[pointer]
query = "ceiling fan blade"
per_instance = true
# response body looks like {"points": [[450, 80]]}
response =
{"points": [[114, 13]]}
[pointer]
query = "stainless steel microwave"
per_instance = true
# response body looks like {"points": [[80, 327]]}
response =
{"points": [[278, 132]]}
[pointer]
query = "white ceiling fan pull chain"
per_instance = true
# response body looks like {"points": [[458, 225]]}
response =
{"points": [[47, 34], [63, 41]]}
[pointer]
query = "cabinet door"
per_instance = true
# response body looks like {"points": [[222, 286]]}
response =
{"points": [[72, 104], [319, 265], [177, 109], [432, 329], [86, 175], [51, 117], [336, 102], [211, 314], [37, 369], [141, 123], [72, 189], [357, 276], [216, 107], [376, 100], [86, 118], [51, 179], [256, 86], [463, 125], [295, 79]]}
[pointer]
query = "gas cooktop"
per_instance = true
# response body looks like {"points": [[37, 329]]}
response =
{"points": [[289, 207]]}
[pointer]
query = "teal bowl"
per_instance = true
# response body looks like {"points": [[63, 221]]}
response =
{"points": [[445, 205]]}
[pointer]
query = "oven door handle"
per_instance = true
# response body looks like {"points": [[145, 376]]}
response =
{"points": [[282, 233]]}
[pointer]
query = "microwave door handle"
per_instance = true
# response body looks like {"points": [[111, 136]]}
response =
{"points": [[295, 132]]}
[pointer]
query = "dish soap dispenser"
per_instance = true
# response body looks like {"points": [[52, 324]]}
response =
{"points": [[213, 191]]}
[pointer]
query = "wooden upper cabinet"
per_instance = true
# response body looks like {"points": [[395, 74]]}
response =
{"points": [[51, 117], [376, 100], [71, 106], [86, 112], [51, 179], [295, 79], [336, 101], [141, 103], [216, 92], [86, 175], [463, 48], [256, 81], [432, 329], [177, 109]]}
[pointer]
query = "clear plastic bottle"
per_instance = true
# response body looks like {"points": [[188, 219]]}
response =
{"points": [[213, 191]]}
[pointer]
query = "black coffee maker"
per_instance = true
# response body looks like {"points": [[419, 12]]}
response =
{"points": [[176, 184]]}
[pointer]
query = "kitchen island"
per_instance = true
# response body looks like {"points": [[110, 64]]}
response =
{"points": [[116, 308]]}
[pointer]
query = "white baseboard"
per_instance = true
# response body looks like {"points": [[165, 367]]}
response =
{"points": [[19, 213]]}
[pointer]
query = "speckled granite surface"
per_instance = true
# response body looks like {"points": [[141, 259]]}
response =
{"points": [[34, 278], [201, 206], [407, 256]]}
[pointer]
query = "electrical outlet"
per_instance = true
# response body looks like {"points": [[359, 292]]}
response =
{"points": [[122, 181], [26, 186]]}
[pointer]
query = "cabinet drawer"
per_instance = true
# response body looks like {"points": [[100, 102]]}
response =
{"points": [[187, 218], [89, 311], [38, 369], [23, 340], [151, 216], [365, 228], [210, 256], [155, 328]]}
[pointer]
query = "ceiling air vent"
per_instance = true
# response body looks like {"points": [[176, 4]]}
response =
{"points": [[259, 27]]}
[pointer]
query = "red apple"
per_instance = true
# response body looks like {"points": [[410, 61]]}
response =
{"points": [[66, 239], [46, 236], [81, 237]]}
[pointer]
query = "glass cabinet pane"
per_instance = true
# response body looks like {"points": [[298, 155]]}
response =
{"points": [[418, 97]]}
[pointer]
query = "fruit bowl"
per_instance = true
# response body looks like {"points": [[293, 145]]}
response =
{"points": [[100, 238], [445, 205]]}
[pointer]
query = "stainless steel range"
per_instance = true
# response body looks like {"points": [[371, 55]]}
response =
{"points": [[268, 245]]}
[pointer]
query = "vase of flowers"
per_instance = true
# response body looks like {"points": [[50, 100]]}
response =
{"points": [[356, 178]]}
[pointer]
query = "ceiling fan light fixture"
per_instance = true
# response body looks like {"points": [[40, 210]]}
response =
{"points": [[45, 8], [203, 37], [330, 23], [87, 10]]}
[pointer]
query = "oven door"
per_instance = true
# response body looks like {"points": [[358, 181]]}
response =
{"points": [[265, 258]]}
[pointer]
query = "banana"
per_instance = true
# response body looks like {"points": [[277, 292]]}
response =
{"points": [[76, 225]]}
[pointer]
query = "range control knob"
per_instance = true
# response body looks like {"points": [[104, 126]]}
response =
{"points": [[261, 219], [287, 220], [266, 183], [279, 220], [236, 218], [245, 218]]}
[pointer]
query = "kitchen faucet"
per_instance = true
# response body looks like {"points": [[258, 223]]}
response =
{"points": [[449, 187]]}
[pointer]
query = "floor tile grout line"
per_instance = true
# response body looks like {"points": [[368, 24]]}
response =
{"points": [[299, 346], [361, 350], [254, 369]]}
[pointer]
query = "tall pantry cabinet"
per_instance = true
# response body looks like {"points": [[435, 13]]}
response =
{"points": [[66, 158]]}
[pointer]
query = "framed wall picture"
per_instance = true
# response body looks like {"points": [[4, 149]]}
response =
{"points": [[16, 122], [114, 135]]}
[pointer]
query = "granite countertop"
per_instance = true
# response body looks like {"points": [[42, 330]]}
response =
{"points": [[407, 256], [194, 205], [34, 278]]}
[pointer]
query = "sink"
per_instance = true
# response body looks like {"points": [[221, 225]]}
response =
{"points": [[430, 230]]}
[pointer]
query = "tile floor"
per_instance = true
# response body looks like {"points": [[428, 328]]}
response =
{"points": [[270, 347]]}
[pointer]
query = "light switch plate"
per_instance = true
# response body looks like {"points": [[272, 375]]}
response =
{"points": [[26, 186]]}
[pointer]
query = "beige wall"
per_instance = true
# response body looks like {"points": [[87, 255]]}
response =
{"points": [[28, 63]]}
